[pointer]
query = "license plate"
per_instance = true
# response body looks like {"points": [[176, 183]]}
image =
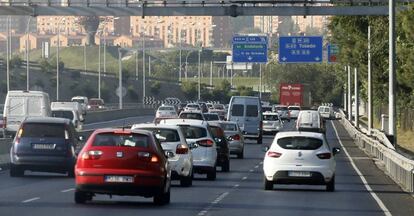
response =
{"points": [[122, 179], [299, 174], [44, 146]]}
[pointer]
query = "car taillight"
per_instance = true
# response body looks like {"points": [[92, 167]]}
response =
{"points": [[92, 155], [181, 149], [274, 154], [18, 135], [146, 156], [324, 155], [205, 143], [236, 137], [4, 122]]}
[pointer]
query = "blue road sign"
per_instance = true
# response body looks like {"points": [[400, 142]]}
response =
{"points": [[250, 49], [300, 49]]}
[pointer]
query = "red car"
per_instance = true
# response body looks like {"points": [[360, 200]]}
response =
{"points": [[123, 162]]}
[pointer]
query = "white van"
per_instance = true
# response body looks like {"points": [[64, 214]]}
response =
{"points": [[83, 101], [22, 104], [326, 112], [247, 112], [310, 120], [69, 110]]}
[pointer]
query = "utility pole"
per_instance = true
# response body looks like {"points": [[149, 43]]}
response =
{"points": [[99, 69], [260, 74], [370, 124], [8, 50], [57, 62], [120, 78], [349, 94], [136, 65], [149, 65], [199, 75], [104, 56], [391, 90], [356, 93], [211, 73], [143, 69], [179, 72], [27, 55]]}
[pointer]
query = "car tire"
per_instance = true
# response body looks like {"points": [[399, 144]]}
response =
{"points": [[330, 186], [260, 139], [186, 181], [268, 185], [211, 175], [240, 155], [81, 197], [162, 198], [226, 166], [16, 171]]}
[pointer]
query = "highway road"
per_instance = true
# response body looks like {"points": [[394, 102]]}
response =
{"points": [[362, 189]]}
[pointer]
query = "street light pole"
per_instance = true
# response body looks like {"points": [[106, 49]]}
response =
{"points": [[120, 95], [7, 54], [57, 58], [199, 75], [179, 72], [84, 57], [391, 86], [370, 124], [260, 73], [27, 55], [143, 68], [99, 69]]}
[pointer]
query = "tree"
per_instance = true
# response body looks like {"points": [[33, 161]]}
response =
{"points": [[15, 62], [155, 88], [190, 90]]}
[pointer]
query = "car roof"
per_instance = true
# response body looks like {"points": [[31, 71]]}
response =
{"points": [[47, 120], [151, 125], [191, 111], [111, 130], [166, 106], [294, 106], [309, 111], [195, 122], [270, 113], [209, 113], [299, 134]]}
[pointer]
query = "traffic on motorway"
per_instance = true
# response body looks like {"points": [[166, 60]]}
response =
{"points": [[184, 140]]}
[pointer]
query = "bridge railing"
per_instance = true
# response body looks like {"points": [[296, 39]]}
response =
{"points": [[395, 165]]}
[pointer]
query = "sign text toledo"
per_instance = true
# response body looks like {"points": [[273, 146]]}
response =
{"points": [[302, 49], [250, 49]]}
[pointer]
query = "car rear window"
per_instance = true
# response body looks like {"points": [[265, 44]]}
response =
{"points": [[218, 106], [294, 108], [165, 135], [81, 101], [270, 117], [229, 127], [211, 117], [63, 114], [266, 109], [166, 108], [237, 110], [191, 116], [193, 106], [300, 143], [95, 102], [44, 130], [126, 140], [281, 108], [192, 132], [251, 111], [217, 132]]}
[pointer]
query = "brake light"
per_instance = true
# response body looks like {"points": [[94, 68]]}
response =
{"points": [[205, 143], [146, 156], [4, 122], [92, 155], [236, 137], [181, 149], [324, 156], [18, 135], [274, 154]]}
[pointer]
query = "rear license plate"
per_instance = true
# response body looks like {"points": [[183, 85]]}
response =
{"points": [[44, 146], [122, 179], [299, 174]]}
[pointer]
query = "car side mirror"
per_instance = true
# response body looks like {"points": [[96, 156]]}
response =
{"points": [[229, 138], [265, 149], [218, 140], [336, 151], [169, 154], [193, 145]]}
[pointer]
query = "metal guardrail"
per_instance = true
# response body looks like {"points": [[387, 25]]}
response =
{"points": [[398, 167]]}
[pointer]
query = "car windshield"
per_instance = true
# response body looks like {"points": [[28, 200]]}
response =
{"points": [[266, 109], [229, 127], [270, 117], [198, 116], [193, 132], [44, 130], [211, 117], [125, 140], [237, 110], [63, 114], [300, 143], [281, 108], [294, 108], [164, 134], [193, 106], [81, 101]]}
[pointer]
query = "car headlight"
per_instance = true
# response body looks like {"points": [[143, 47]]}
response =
{"points": [[89, 106], [100, 107]]}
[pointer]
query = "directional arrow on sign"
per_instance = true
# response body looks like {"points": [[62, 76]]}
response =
{"points": [[250, 58], [317, 58], [283, 58]]}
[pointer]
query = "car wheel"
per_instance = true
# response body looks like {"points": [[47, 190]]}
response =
{"points": [[226, 166], [212, 174], [16, 171], [186, 181], [330, 186], [81, 197], [260, 139], [240, 155], [162, 198], [268, 185]]}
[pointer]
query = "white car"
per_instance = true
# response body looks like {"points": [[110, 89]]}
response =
{"points": [[272, 122], [326, 112], [166, 112], [294, 111], [192, 107], [300, 158], [172, 140], [197, 132]]}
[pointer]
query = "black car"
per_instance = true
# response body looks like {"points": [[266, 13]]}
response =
{"points": [[44, 144], [223, 151]]}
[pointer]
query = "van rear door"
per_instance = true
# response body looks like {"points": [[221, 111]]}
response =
{"points": [[252, 119], [15, 112]]}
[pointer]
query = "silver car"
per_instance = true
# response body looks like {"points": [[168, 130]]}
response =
{"points": [[234, 137], [271, 122]]}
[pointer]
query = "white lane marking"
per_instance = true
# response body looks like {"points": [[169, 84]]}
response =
{"points": [[216, 201], [244, 178], [67, 190], [366, 185], [31, 200]]}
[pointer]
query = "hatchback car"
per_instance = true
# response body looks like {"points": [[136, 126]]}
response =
{"points": [[173, 140], [96, 104], [223, 151], [234, 137], [198, 132], [44, 144], [300, 158], [166, 112], [192, 115], [123, 162], [283, 112], [272, 123], [192, 107], [294, 111]]}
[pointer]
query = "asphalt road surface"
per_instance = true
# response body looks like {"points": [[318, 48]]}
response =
{"points": [[361, 189]]}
